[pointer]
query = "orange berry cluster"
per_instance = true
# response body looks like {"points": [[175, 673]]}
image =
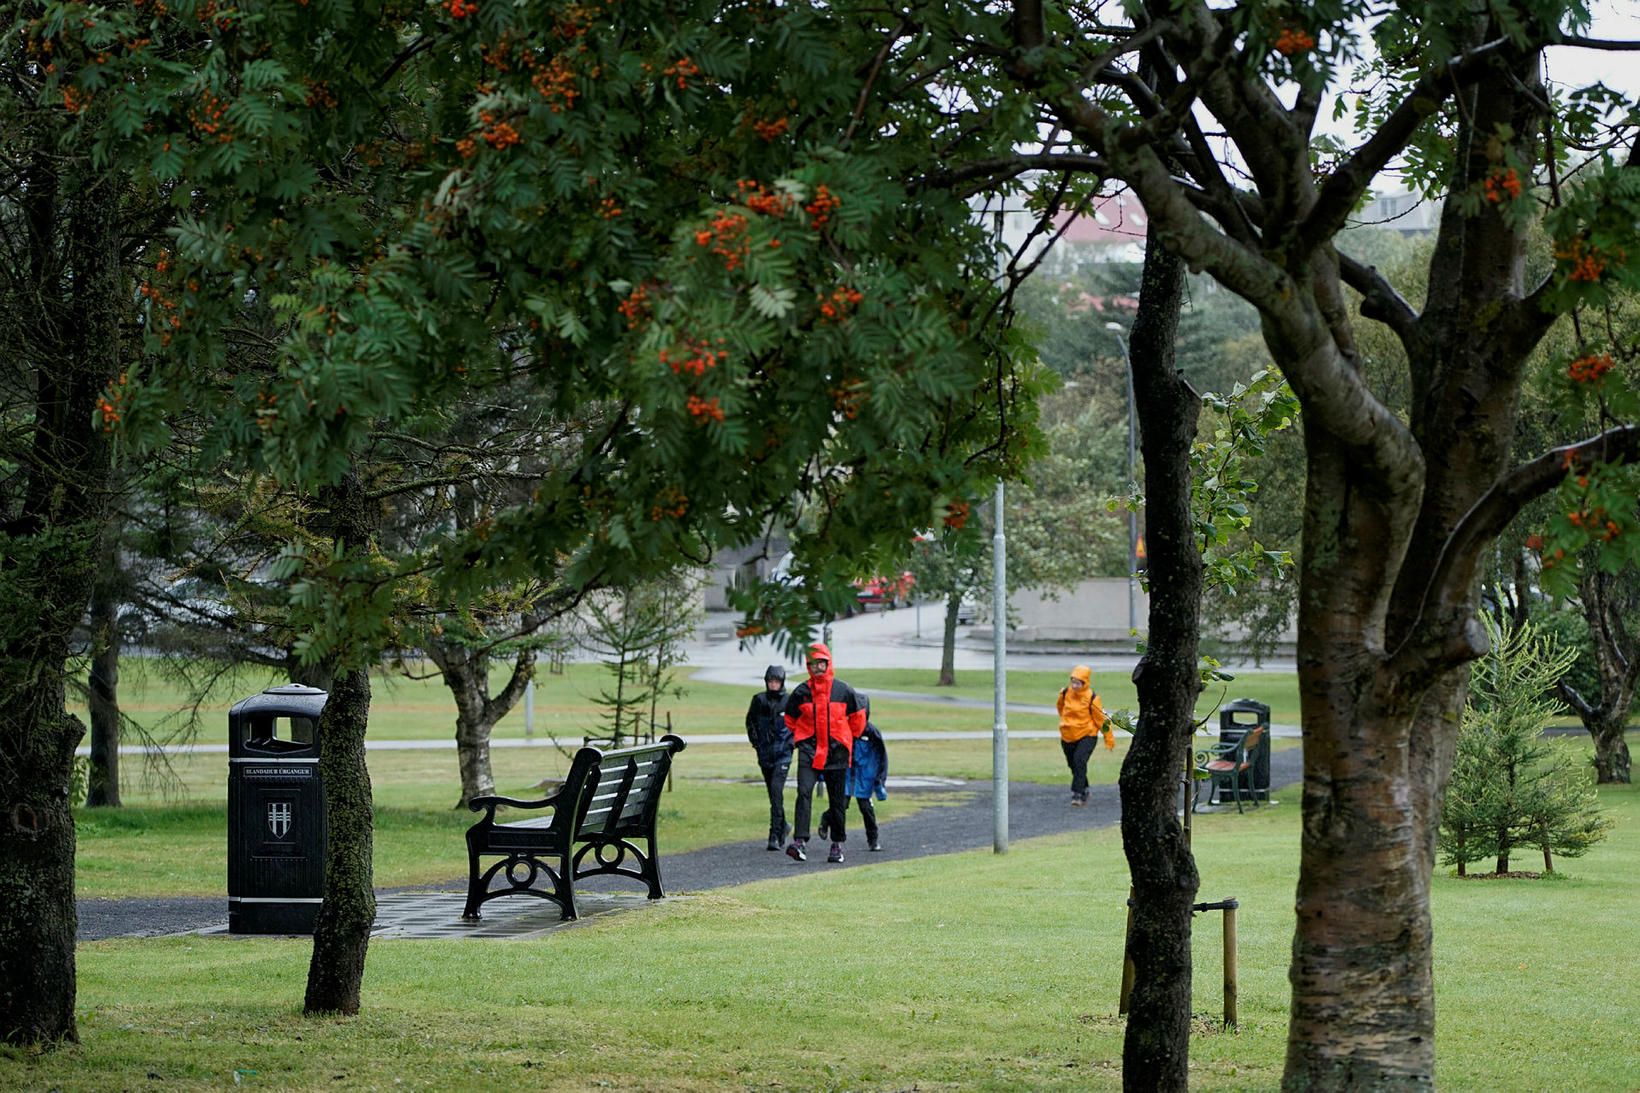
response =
{"points": [[266, 409], [726, 238], [574, 21], [836, 306], [751, 630], [824, 204], [164, 302], [498, 134], [1586, 262], [771, 130], [109, 404], [847, 400], [701, 357], [1293, 40], [671, 503], [704, 409], [467, 146], [609, 208], [207, 117], [756, 197], [635, 308], [1502, 182], [556, 83], [1534, 542], [1595, 522], [681, 70], [1590, 368], [75, 100], [495, 56], [320, 95], [956, 515], [460, 9]]}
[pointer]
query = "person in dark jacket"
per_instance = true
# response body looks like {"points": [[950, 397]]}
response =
{"points": [[868, 777], [766, 729], [826, 717]]}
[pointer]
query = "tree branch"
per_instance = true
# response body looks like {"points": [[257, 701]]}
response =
{"points": [[1347, 182], [1449, 579], [1011, 166], [1379, 300]]}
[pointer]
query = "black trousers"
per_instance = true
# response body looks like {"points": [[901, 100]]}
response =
{"points": [[836, 781], [868, 816], [1076, 757], [774, 780]]}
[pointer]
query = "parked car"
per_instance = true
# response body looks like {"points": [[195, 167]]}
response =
{"points": [[967, 609], [889, 592]]}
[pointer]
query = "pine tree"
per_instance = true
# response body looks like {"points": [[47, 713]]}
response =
{"points": [[1510, 785]]}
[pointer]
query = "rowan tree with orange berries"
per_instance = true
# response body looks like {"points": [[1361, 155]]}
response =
{"points": [[586, 195]]}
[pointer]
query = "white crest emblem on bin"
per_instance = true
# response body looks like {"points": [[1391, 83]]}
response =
{"points": [[279, 818]]}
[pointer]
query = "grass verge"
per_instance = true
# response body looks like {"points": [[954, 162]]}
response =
{"points": [[969, 971]]}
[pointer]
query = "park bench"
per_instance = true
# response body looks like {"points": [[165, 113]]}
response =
{"points": [[1229, 766], [608, 803]]}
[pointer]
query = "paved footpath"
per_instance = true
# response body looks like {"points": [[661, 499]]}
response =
{"points": [[434, 910]]}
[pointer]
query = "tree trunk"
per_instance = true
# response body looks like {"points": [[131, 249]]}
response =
{"points": [[103, 780], [1617, 665], [948, 644], [1612, 765], [341, 937], [1548, 860], [52, 528], [466, 673], [1156, 1047]]}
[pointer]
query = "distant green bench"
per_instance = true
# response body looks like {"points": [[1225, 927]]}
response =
{"points": [[608, 803], [1229, 767]]}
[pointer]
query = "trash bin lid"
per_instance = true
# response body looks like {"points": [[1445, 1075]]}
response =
{"points": [[287, 700]]}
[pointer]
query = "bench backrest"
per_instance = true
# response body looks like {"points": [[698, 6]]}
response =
{"points": [[618, 792]]}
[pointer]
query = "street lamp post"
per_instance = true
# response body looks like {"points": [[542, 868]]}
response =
{"points": [[1133, 515], [999, 728]]}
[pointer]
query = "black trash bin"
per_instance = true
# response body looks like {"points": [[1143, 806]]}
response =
{"points": [[276, 812], [1236, 720]]}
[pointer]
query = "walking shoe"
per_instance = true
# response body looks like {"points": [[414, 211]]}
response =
{"points": [[1079, 802], [825, 831], [874, 845], [774, 843], [796, 852], [836, 854]]}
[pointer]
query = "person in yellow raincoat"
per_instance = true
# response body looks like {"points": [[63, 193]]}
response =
{"points": [[1081, 719]]}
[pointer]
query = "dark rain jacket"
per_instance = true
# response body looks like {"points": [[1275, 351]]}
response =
{"points": [[766, 728]]}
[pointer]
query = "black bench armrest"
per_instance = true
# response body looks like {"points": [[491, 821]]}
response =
{"points": [[489, 804]]}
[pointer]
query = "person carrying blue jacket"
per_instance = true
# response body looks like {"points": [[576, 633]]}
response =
{"points": [[868, 777], [767, 730]]}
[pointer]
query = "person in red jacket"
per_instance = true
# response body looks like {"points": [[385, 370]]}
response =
{"points": [[826, 717]]}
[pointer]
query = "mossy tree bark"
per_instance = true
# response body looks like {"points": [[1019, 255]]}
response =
{"points": [[1156, 1047], [341, 938], [103, 683], [51, 523]]}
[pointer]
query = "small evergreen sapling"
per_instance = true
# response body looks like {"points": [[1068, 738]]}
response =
{"points": [[1510, 786]]}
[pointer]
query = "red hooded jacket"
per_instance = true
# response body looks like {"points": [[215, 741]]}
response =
{"points": [[825, 710]]}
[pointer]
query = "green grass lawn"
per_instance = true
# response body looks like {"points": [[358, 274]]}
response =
{"points": [[405, 708], [1278, 690], [970, 971], [171, 839]]}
